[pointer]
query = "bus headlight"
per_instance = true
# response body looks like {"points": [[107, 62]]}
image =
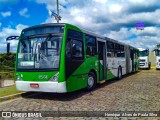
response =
{"points": [[54, 78], [19, 78]]}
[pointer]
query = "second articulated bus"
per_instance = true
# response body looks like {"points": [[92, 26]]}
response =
{"points": [[63, 58]]}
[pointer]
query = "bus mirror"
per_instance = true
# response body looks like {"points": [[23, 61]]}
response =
{"points": [[8, 48], [8, 43]]}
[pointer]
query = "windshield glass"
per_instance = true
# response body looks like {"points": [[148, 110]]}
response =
{"points": [[39, 52], [143, 53]]}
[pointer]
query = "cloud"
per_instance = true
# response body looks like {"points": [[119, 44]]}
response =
{"points": [[6, 14], [51, 4], [146, 38], [101, 1], [6, 32], [23, 12], [115, 19], [115, 8]]}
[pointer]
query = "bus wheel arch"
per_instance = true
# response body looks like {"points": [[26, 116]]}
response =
{"points": [[92, 80], [93, 71]]}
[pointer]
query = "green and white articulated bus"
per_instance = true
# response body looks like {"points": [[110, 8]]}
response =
{"points": [[157, 53], [63, 58]]}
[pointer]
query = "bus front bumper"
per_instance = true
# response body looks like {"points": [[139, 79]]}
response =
{"points": [[143, 65], [158, 66], [54, 87]]}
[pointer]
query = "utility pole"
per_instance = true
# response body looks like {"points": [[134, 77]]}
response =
{"points": [[57, 11], [56, 15]]}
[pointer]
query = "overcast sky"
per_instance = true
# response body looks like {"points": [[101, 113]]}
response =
{"points": [[112, 18]]}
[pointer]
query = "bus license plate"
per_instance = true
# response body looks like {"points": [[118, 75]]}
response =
{"points": [[34, 85]]}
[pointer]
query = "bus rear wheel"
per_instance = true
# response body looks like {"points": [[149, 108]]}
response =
{"points": [[119, 76], [91, 82], [149, 67]]}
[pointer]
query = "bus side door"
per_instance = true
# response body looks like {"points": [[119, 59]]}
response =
{"points": [[102, 60]]}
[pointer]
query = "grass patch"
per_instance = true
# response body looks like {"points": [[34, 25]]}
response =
{"points": [[9, 91]]}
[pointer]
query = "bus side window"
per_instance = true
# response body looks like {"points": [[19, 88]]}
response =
{"points": [[120, 51], [109, 54], [116, 50], [110, 49], [77, 49], [91, 46], [74, 45], [115, 54]]}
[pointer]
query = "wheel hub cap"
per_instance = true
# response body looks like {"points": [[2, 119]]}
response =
{"points": [[90, 81]]}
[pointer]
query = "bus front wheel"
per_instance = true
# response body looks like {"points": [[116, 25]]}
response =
{"points": [[91, 82]]}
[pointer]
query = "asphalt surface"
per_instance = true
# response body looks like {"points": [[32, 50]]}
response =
{"points": [[134, 92]]}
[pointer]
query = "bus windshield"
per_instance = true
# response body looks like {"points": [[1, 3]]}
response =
{"points": [[143, 53], [39, 52]]}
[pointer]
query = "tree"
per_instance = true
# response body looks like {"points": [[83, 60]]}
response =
{"points": [[158, 46], [7, 61]]}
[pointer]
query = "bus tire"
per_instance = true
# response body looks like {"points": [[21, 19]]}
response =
{"points": [[149, 66], [91, 81], [135, 68], [119, 75]]}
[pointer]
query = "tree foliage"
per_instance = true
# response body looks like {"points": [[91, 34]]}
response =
{"points": [[158, 46], [7, 61]]}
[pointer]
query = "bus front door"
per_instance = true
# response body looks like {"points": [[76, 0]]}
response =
{"points": [[102, 60]]}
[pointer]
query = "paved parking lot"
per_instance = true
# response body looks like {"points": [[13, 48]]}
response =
{"points": [[136, 92]]}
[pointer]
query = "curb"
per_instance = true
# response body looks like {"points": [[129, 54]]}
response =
{"points": [[14, 96]]}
